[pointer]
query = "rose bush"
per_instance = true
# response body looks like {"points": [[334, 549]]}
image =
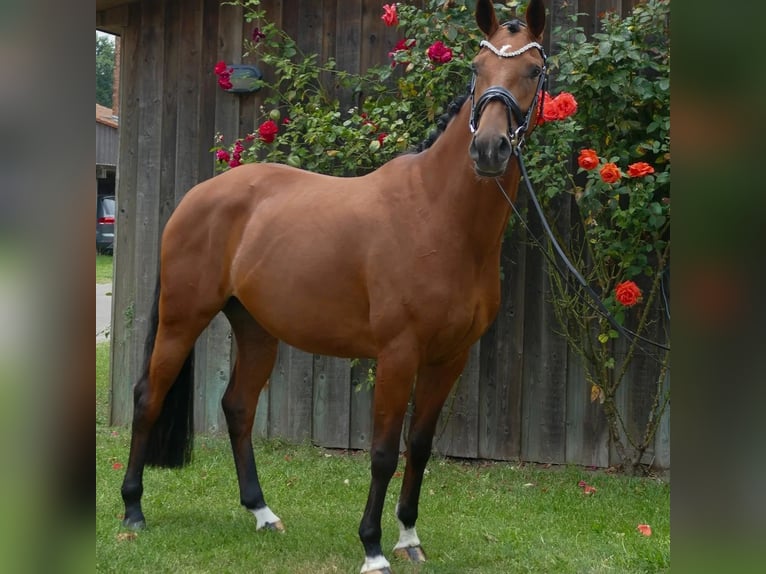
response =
{"points": [[400, 101], [609, 166]]}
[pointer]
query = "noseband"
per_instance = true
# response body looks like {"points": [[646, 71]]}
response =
{"points": [[512, 108]]}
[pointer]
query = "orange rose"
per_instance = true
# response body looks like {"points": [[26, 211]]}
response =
{"points": [[610, 173], [588, 159], [543, 100], [627, 293], [566, 105], [640, 169], [550, 110]]}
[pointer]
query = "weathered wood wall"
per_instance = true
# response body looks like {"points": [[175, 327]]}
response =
{"points": [[522, 395]]}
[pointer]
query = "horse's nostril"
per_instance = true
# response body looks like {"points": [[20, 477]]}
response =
{"points": [[504, 147]]}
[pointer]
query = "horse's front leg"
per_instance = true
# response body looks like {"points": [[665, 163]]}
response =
{"points": [[393, 386], [434, 383]]}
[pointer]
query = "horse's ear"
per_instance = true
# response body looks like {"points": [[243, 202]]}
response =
{"points": [[485, 17], [536, 17]]}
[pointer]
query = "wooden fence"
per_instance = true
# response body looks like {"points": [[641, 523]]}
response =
{"points": [[522, 395]]}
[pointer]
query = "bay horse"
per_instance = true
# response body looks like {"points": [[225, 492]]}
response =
{"points": [[401, 265]]}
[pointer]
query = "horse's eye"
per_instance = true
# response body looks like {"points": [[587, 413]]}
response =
{"points": [[536, 72]]}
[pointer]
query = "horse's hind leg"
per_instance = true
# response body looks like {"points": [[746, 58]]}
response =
{"points": [[161, 431], [256, 353], [434, 383]]}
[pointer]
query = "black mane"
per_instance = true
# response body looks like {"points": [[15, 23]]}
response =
{"points": [[441, 123]]}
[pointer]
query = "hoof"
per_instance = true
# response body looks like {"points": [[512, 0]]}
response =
{"points": [[411, 554], [134, 524], [274, 526]]}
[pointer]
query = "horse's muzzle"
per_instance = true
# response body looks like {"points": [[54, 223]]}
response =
{"points": [[490, 154]]}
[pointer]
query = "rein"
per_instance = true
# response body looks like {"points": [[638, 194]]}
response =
{"points": [[517, 140]]}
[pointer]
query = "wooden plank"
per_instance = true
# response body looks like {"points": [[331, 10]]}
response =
{"points": [[278, 397], [171, 65], [457, 433], [213, 347], [586, 17], [662, 439], [113, 20], [360, 426], [501, 360], [347, 48], [587, 440], [212, 369], [125, 349], [300, 395], [291, 19], [329, 38], [208, 89], [331, 402], [144, 229], [545, 356], [190, 80], [261, 422]]}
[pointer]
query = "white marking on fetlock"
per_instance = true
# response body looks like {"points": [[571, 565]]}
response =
{"points": [[372, 563], [264, 516], [407, 536]]}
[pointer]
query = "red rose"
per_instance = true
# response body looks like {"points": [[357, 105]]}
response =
{"points": [[220, 68], [222, 155], [588, 159], [640, 169], [268, 131], [627, 293], [286, 121], [381, 137], [224, 82], [566, 105], [390, 17], [439, 53], [403, 45], [610, 173], [235, 161], [258, 35]]}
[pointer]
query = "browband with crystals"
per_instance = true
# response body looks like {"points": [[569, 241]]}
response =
{"points": [[504, 53]]}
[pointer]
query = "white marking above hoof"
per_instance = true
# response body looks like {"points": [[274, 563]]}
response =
{"points": [[375, 564], [266, 519], [408, 538]]}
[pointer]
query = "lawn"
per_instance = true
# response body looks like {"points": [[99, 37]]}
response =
{"points": [[475, 517], [104, 268]]}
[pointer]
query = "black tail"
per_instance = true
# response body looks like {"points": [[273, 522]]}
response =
{"points": [[172, 437]]}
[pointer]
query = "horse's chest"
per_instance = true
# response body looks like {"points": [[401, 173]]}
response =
{"points": [[459, 320]]}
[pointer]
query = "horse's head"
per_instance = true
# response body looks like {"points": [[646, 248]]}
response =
{"points": [[508, 76]]}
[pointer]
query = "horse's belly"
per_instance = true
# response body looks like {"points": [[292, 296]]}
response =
{"points": [[312, 317]]}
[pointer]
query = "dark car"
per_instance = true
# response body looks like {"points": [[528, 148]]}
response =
{"points": [[105, 209]]}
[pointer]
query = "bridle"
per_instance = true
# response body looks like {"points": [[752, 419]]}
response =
{"points": [[512, 108]]}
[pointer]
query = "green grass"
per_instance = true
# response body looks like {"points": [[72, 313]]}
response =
{"points": [[474, 517], [104, 268]]}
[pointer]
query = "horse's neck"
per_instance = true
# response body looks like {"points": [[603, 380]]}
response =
{"points": [[473, 204]]}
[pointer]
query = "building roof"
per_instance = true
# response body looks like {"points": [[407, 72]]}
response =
{"points": [[105, 116]]}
